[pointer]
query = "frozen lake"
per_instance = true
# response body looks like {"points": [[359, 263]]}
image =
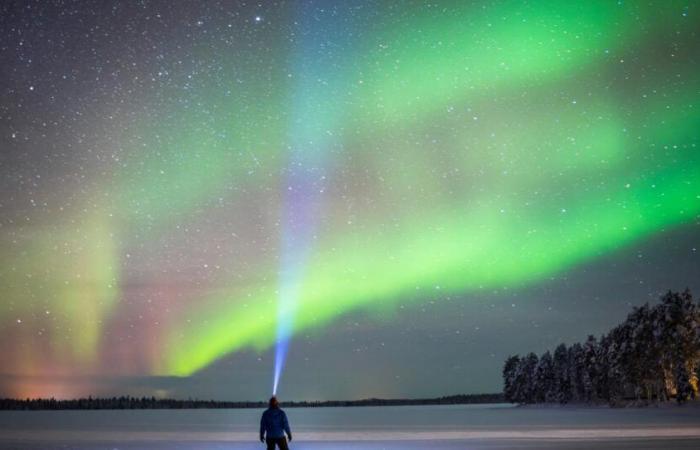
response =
{"points": [[440, 427]]}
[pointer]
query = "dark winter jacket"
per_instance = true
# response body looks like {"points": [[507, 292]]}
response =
{"points": [[274, 423]]}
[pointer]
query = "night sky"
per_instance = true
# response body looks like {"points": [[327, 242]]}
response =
{"points": [[410, 191]]}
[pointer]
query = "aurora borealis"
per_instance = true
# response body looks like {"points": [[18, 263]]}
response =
{"points": [[184, 183]]}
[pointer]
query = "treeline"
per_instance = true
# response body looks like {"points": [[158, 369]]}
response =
{"points": [[654, 355], [466, 399], [155, 403], [124, 402]]}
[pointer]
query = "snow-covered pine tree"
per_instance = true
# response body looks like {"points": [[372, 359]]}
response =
{"points": [[562, 383], [544, 379], [678, 341], [614, 346], [577, 368], [520, 382], [529, 368], [607, 369], [591, 376], [645, 362], [681, 378], [509, 372]]}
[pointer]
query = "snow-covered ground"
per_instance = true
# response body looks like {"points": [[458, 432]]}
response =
{"points": [[439, 427]]}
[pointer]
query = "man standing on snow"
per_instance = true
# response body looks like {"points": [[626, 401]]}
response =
{"points": [[273, 426]]}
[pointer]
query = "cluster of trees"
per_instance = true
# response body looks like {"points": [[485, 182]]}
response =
{"points": [[154, 403], [653, 355]]}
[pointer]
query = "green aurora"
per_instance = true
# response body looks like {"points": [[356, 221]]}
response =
{"points": [[507, 207]]}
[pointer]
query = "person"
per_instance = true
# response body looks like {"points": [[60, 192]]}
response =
{"points": [[273, 426]]}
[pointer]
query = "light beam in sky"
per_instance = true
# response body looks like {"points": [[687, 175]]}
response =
{"points": [[312, 123], [300, 203]]}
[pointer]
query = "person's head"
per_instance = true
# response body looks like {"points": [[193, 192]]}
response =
{"points": [[273, 402]]}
